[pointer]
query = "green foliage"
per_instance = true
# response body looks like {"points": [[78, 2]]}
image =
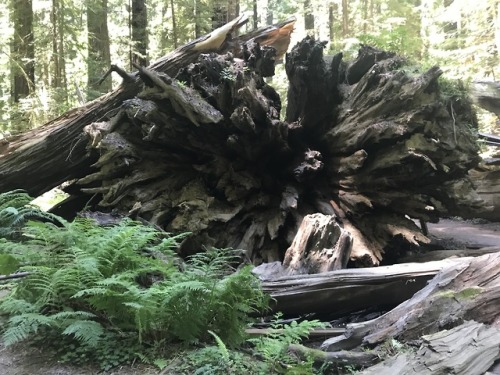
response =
{"points": [[212, 360], [15, 211], [398, 39], [273, 346], [114, 293]]}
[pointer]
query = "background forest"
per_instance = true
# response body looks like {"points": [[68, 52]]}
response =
{"points": [[53, 52]]}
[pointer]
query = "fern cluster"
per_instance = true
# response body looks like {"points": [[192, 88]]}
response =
{"points": [[94, 286], [16, 210], [273, 346]]}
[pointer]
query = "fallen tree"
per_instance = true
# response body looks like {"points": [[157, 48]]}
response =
{"points": [[195, 143], [458, 309]]}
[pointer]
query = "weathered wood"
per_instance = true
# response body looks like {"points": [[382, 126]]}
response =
{"points": [[321, 245], [344, 291], [467, 290], [468, 349]]}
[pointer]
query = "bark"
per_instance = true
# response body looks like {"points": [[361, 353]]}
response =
{"points": [[344, 291], [202, 149], [99, 57], [468, 290], [469, 349], [23, 50], [139, 33]]}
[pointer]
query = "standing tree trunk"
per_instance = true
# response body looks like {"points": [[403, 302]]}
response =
{"points": [[99, 58], [332, 10], [308, 17], [345, 18], [255, 15], [139, 33], [23, 50], [174, 24], [58, 51]]}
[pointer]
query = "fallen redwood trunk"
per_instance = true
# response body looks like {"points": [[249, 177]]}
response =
{"points": [[206, 151], [468, 349], [344, 291], [467, 290]]}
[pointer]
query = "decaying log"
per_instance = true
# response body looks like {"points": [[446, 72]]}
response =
{"points": [[468, 290], [195, 143], [345, 291], [468, 349]]}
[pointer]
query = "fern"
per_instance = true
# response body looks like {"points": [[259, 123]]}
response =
{"points": [[273, 346], [15, 211], [92, 287]]}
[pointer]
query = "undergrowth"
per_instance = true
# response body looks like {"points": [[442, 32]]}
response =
{"points": [[114, 295]]}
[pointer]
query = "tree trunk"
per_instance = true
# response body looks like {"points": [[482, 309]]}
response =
{"points": [[345, 18], [23, 50], [469, 349], [341, 292], [458, 312], [206, 152], [139, 33], [467, 290], [99, 57]]}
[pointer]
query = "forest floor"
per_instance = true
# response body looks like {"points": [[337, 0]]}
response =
{"points": [[22, 360]]}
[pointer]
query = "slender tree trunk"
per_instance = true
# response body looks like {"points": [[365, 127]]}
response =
{"points": [[99, 58], [174, 24], [23, 50], [255, 15], [365, 16], [270, 12], [219, 13], [139, 33], [197, 18], [62, 52], [233, 9], [308, 17], [332, 10], [345, 18], [56, 76]]}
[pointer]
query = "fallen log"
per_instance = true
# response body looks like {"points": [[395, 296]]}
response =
{"points": [[467, 290], [344, 291], [468, 349], [195, 143]]}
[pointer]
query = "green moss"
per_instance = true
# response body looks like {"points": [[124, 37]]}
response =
{"points": [[469, 293], [464, 294]]}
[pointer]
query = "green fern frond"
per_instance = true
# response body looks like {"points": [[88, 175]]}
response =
{"points": [[21, 326], [88, 332]]}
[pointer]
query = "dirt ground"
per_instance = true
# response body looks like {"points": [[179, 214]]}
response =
{"points": [[19, 360]]}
